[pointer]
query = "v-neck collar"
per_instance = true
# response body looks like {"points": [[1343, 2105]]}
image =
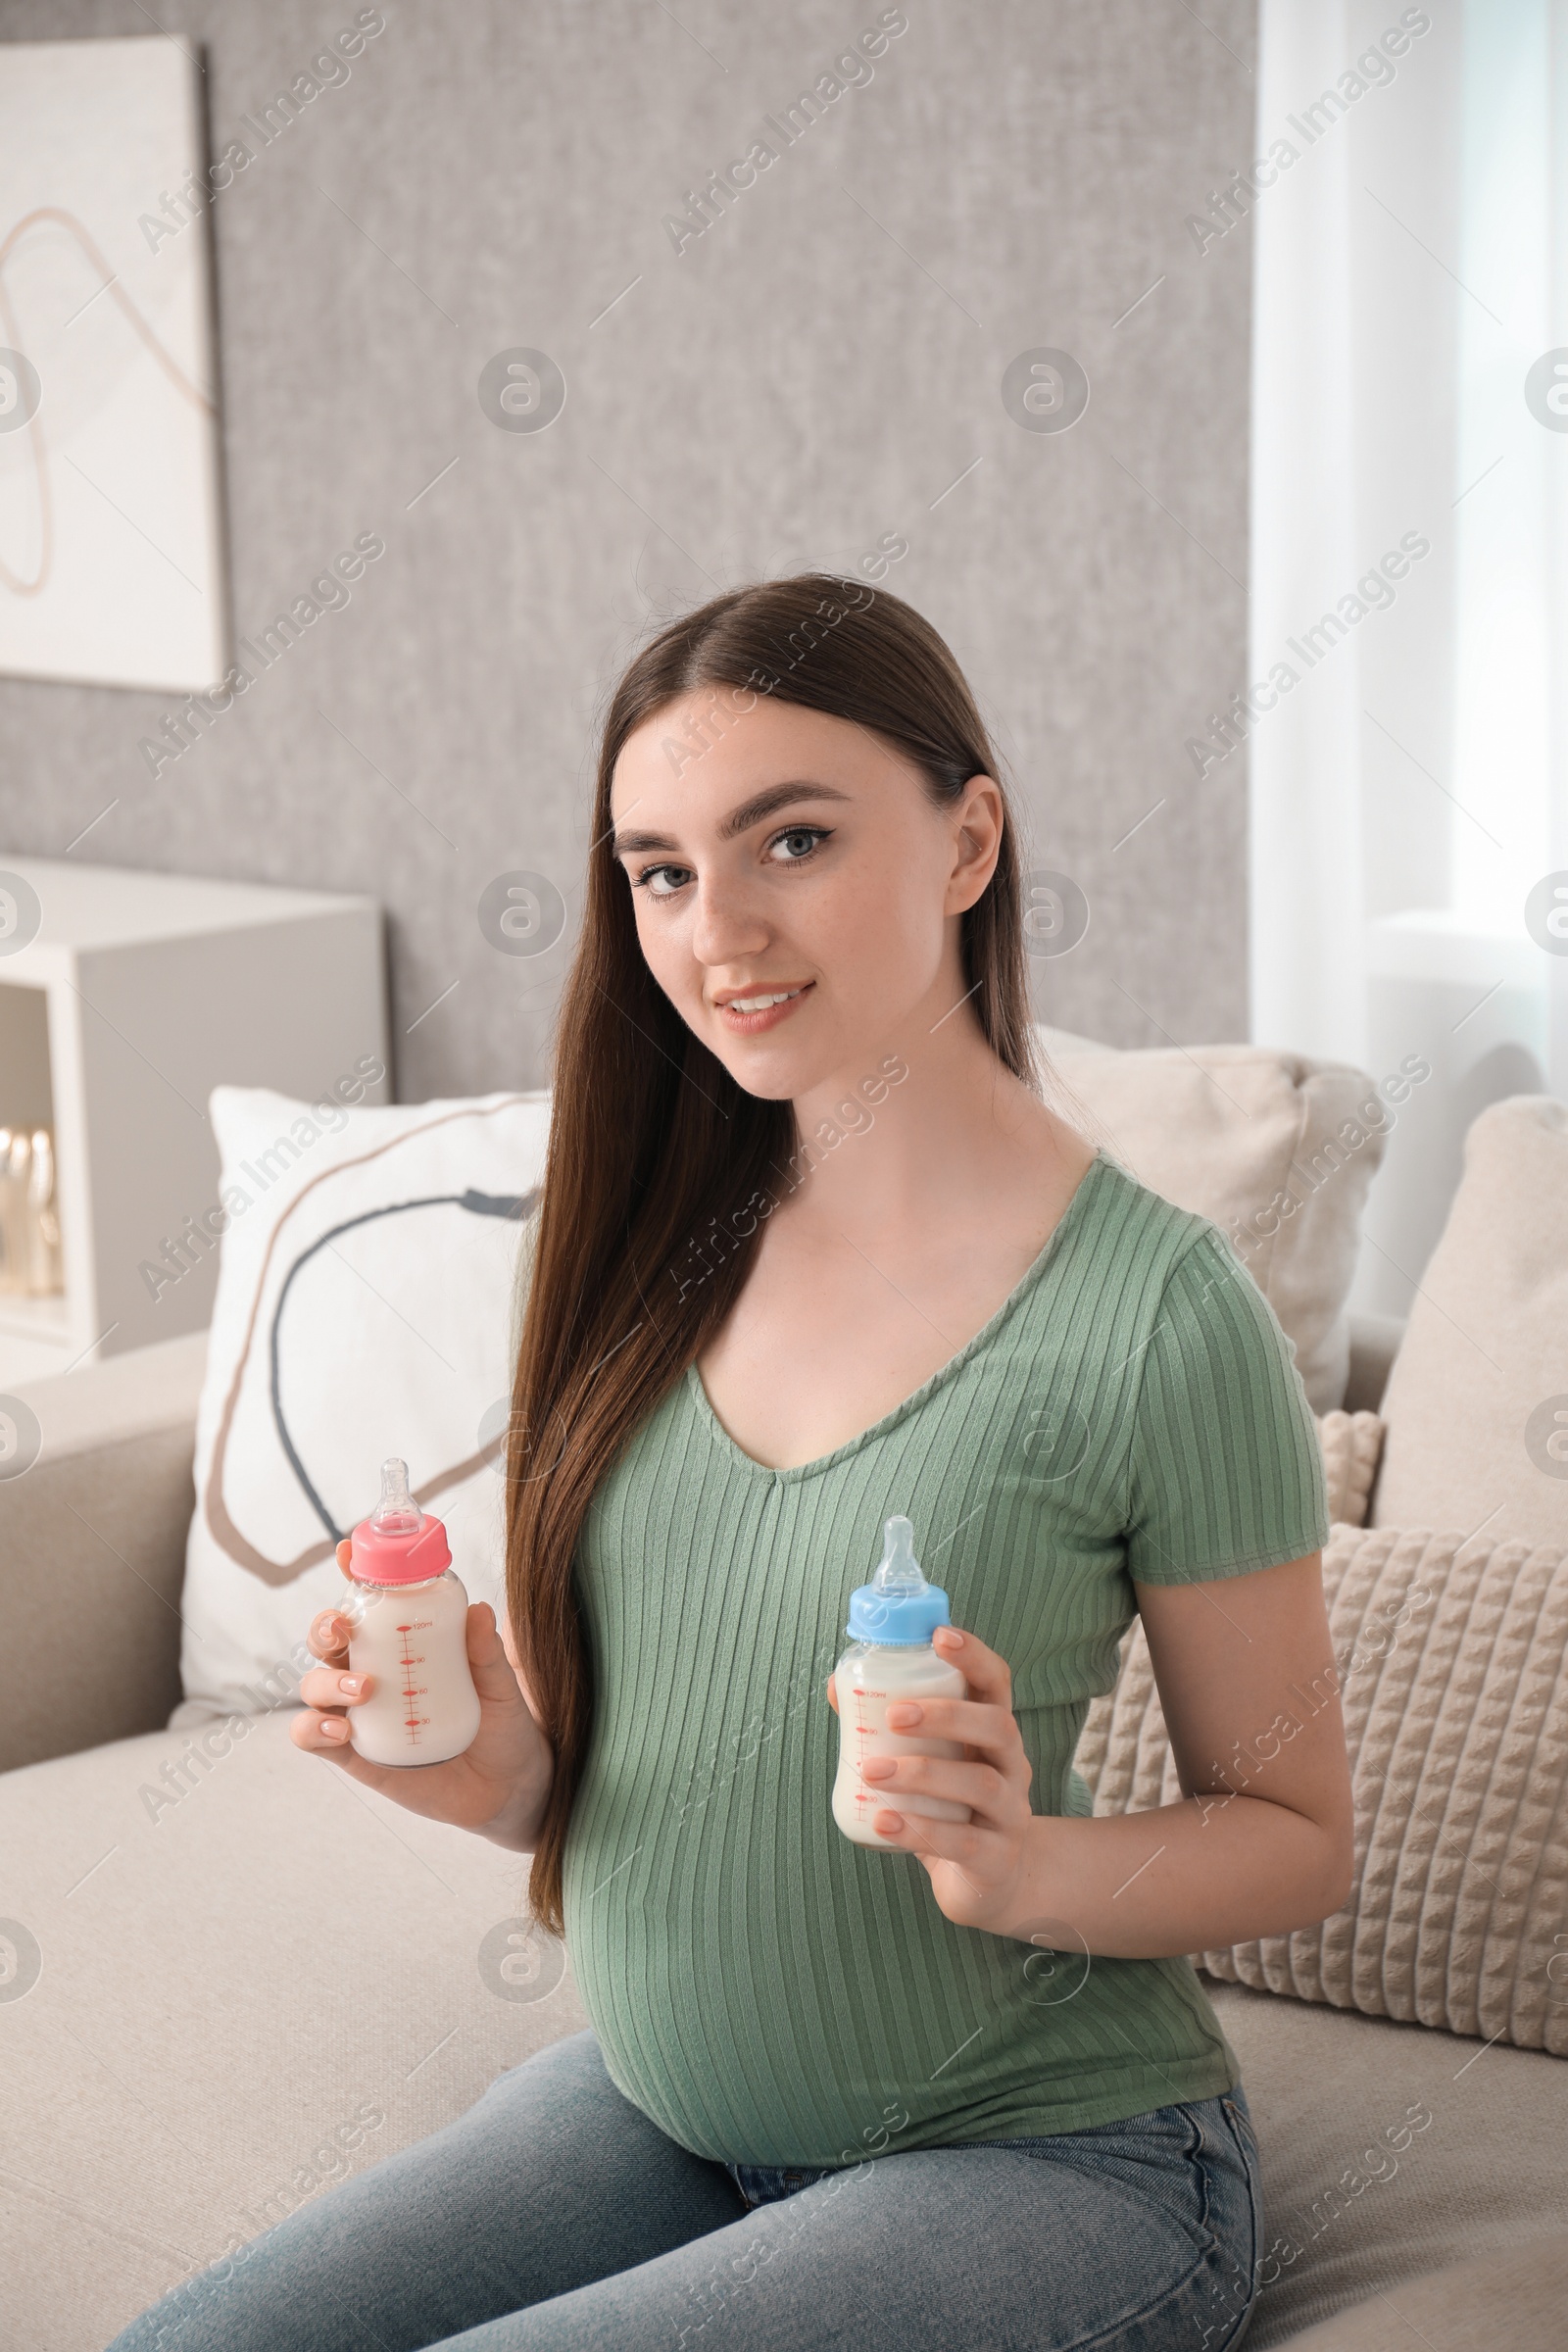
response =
{"points": [[1071, 1216]]}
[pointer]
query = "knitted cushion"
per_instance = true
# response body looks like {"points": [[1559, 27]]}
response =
{"points": [[1449, 1662], [1352, 1443]]}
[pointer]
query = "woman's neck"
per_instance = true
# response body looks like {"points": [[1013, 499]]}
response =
{"points": [[951, 1128]]}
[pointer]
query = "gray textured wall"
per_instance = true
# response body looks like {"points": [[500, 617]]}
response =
{"points": [[816, 370]]}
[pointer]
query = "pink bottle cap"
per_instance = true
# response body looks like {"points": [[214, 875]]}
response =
{"points": [[398, 1544]]}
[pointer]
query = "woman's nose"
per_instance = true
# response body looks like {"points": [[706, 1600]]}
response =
{"points": [[728, 924]]}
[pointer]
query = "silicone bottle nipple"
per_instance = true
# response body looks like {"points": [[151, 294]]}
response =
{"points": [[399, 1543], [899, 1572], [898, 1606], [397, 1513]]}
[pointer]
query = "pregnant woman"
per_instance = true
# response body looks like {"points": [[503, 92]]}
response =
{"points": [[813, 1249]]}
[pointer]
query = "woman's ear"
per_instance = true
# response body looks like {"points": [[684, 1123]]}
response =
{"points": [[977, 821]]}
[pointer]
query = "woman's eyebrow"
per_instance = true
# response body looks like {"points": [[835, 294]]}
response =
{"points": [[750, 812], [767, 804]]}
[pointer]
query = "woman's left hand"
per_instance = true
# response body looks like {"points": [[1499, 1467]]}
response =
{"points": [[973, 1866]]}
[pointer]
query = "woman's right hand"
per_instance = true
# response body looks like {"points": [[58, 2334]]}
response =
{"points": [[497, 1786]]}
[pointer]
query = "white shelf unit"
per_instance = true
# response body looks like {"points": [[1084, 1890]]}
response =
{"points": [[138, 994]]}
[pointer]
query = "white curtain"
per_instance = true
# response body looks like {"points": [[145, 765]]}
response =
{"points": [[1409, 568]]}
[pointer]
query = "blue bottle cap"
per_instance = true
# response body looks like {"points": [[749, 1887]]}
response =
{"points": [[897, 1607]]}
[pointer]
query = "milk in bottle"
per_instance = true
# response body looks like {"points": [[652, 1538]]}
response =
{"points": [[891, 1657], [408, 1616]]}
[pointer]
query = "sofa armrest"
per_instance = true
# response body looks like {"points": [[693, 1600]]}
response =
{"points": [[92, 1553], [1374, 1345]]}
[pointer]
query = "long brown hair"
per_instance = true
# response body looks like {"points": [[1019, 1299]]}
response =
{"points": [[660, 1166]]}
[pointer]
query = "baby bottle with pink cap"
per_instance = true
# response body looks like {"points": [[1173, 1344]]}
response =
{"points": [[409, 1618]]}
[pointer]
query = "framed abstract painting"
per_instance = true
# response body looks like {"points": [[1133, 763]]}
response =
{"points": [[111, 539]]}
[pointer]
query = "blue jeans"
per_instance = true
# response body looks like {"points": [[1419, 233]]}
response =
{"points": [[555, 2214]]}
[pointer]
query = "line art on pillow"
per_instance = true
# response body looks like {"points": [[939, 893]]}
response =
{"points": [[479, 1205], [221, 1525]]}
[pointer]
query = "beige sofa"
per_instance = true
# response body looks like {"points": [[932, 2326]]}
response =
{"points": [[228, 1976]]}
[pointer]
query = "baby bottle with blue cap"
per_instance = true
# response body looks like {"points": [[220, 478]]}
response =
{"points": [[891, 1657]]}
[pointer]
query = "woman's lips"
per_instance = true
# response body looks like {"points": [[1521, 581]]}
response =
{"points": [[752, 1024]]}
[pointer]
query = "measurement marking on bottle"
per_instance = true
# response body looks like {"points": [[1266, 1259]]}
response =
{"points": [[863, 1735], [410, 1689]]}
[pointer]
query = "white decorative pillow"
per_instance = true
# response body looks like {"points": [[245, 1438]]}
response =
{"points": [[1477, 1403], [1352, 1443], [1451, 1668], [1277, 1150], [365, 1298]]}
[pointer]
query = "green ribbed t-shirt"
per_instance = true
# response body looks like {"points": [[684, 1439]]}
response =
{"points": [[769, 1991]]}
